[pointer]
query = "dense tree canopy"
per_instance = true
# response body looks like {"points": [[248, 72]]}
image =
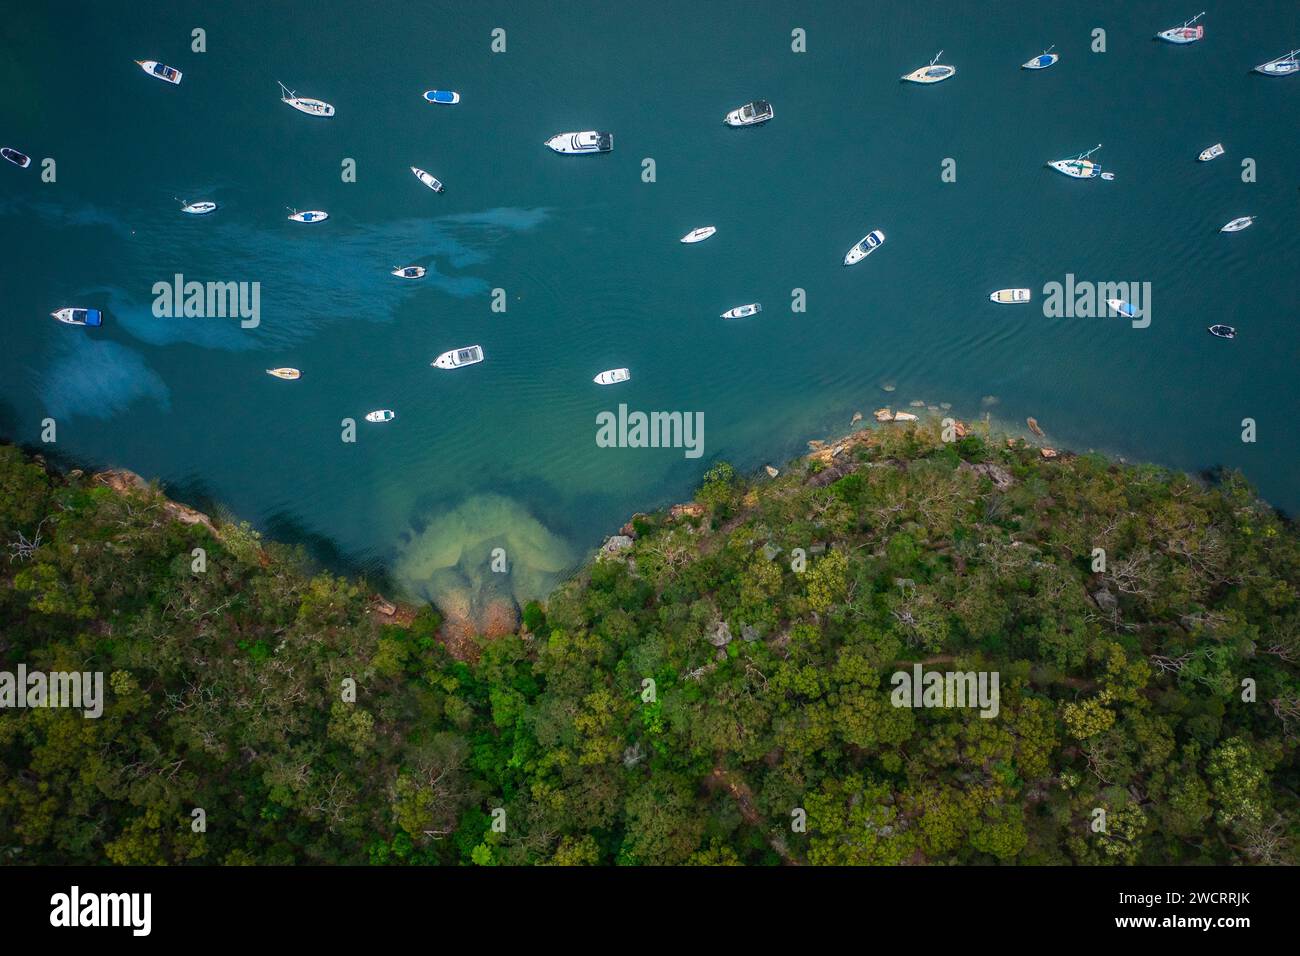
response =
{"points": [[718, 694]]}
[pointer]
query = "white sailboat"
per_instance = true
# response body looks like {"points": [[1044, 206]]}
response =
{"points": [[1282, 66], [305, 104], [1042, 61], [743, 311], [699, 235], [1240, 223], [288, 374], [1189, 32], [933, 73], [309, 215], [409, 272], [201, 208], [1080, 167]]}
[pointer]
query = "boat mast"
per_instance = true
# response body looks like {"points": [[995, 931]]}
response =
{"points": [[1194, 19], [936, 58]]}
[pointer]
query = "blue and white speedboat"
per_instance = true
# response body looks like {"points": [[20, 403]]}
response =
{"points": [[92, 318], [1127, 309], [447, 97], [869, 244], [1042, 61], [161, 71]]}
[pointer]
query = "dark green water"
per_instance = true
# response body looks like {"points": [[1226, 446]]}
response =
{"points": [[504, 453]]}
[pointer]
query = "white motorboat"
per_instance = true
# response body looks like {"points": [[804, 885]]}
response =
{"points": [[1127, 309], [1223, 331], [1042, 61], [288, 374], [743, 311], [700, 234], [381, 415], [161, 71], [1010, 296], [612, 376], [427, 179], [933, 73], [409, 272], [310, 215], [586, 141], [458, 358], [864, 247], [1211, 153], [19, 159], [1189, 32], [1080, 167], [1282, 66], [201, 208], [445, 97], [751, 114], [92, 318], [1240, 223], [305, 104]]}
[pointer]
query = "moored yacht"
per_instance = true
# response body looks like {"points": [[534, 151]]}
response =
{"points": [[161, 71], [743, 311], [1127, 309], [612, 376], [1042, 61], [1009, 296], [1189, 32], [427, 179], [409, 272], [864, 247], [1282, 66], [288, 374], [1080, 167], [88, 317], [751, 114], [309, 215], [445, 97], [458, 358], [587, 141], [1211, 152], [201, 208], [700, 234], [305, 104], [933, 73], [1223, 331], [1238, 224], [381, 415], [14, 156]]}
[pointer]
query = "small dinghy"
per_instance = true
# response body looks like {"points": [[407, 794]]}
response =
{"points": [[700, 234], [381, 415], [1240, 223], [1009, 296], [459, 358], [1223, 331], [1042, 61], [409, 272], [446, 97], [1080, 167], [933, 73], [1189, 32], [1282, 66], [288, 374], [18, 159], [305, 104], [160, 71], [91, 318], [1127, 309], [1212, 152], [427, 179], [1108, 177], [865, 247], [587, 141], [612, 376], [743, 311], [311, 215], [751, 114], [201, 208]]}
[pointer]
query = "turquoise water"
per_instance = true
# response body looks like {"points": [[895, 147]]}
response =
{"points": [[504, 453]]}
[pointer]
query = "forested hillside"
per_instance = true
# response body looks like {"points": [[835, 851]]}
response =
{"points": [[715, 691]]}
